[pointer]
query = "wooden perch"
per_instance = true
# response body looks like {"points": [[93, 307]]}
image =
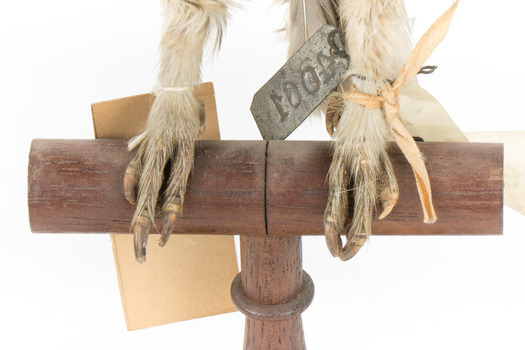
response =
{"points": [[255, 187]]}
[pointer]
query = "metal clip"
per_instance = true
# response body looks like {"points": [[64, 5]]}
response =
{"points": [[427, 70], [336, 40]]}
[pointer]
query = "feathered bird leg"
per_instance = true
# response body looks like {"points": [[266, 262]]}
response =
{"points": [[175, 118], [378, 41]]}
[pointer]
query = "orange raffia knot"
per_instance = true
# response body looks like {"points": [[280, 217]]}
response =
{"points": [[389, 101]]}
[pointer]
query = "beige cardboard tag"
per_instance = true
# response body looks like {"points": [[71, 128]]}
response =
{"points": [[514, 164], [426, 118], [191, 276]]}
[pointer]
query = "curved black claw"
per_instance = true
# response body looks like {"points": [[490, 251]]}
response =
{"points": [[141, 230]]}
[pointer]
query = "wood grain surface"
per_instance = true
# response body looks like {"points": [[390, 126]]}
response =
{"points": [[259, 187], [272, 274]]}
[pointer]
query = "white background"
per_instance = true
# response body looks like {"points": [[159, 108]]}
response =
{"points": [[60, 291]]}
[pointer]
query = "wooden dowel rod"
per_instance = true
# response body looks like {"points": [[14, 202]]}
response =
{"points": [[76, 186]]}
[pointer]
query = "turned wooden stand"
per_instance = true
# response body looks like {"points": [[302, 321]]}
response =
{"points": [[269, 193]]}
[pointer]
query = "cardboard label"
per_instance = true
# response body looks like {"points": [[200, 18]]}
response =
{"points": [[424, 116], [514, 164], [191, 276]]}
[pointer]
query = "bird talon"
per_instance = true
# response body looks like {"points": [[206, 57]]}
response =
{"points": [[332, 228], [141, 230], [389, 191], [387, 208], [130, 183], [333, 112], [172, 214], [388, 199], [333, 240], [352, 247]]}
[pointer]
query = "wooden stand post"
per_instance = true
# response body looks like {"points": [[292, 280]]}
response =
{"points": [[272, 290]]}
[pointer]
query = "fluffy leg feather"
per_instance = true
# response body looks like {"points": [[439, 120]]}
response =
{"points": [[175, 118], [378, 41]]}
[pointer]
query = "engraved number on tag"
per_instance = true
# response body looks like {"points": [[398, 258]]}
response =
{"points": [[310, 81], [308, 77]]}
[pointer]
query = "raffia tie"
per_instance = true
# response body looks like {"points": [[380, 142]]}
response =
{"points": [[388, 100]]}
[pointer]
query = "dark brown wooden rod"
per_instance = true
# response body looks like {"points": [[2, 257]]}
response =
{"points": [[254, 187]]}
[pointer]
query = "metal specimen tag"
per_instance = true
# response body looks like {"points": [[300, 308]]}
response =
{"points": [[296, 90]]}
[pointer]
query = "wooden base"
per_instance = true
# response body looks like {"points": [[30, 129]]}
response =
{"points": [[269, 193], [272, 290]]}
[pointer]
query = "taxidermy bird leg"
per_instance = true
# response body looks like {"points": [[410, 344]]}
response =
{"points": [[175, 118], [378, 41]]}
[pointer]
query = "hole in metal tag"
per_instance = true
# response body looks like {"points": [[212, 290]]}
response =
{"points": [[296, 90]]}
